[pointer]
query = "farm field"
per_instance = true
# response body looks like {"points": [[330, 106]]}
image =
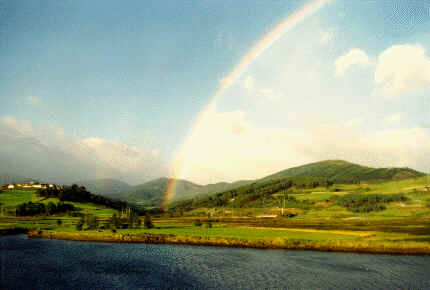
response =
{"points": [[403, 225]]}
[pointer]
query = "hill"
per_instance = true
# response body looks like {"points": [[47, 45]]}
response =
{"points": [[31, 202], [340, 171], [153, 192], [323, 177], [111, 188]]}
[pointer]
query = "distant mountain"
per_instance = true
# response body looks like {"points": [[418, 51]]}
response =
{"points": [[111, 188], [153, 192], [6, 178], [341, 171]]}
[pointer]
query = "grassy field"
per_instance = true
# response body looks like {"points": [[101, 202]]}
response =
{"points": [[10, 199], [241, 232], [403, 227]]}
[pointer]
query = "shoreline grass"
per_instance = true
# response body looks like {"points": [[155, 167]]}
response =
{"points": [[358, 245]]}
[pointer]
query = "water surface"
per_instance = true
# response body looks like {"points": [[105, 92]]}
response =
{"points": [[46, 264]]}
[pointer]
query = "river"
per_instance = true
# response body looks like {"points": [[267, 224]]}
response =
{"points": [[55, 264]]}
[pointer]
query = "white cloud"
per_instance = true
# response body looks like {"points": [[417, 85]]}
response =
{"points": [[263, 94], [223, 146], [354, 57], [33, 100], [16, 126], [216, 152], [403, 69], [155, 152], [393, 119], [270, 95], [46, 153], [381, 148], [355, 122], [326, 36], [249, 84]]}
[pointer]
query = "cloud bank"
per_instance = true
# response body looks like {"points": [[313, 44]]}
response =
{"points": [[226, 146], [47, 154]]}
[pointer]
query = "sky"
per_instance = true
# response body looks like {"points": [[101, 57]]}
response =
{"points": [[144, 89]]}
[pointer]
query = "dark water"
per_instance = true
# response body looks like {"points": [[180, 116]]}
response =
{"points": [[51, 264]]}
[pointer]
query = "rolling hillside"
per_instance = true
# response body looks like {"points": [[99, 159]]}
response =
{"points": [[341, 171], [325, 177], [111, 188], [152, 192]]}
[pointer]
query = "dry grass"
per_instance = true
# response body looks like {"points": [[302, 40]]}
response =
{"points": [[336, 232]]}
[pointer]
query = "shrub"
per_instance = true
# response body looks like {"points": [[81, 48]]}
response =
{"points": [[147, 222], [79, 226], [92, 222], [197, 223], [208, 225]]}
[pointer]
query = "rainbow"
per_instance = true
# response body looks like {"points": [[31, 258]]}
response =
{"points": [[266, 42]]}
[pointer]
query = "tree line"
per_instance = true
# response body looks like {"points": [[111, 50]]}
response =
{"points": [[38, 208], [129, 221], [79, 194], [255, 194], [364, 203]]}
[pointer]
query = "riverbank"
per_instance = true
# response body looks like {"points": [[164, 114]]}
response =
{"points": [[358, 246]]}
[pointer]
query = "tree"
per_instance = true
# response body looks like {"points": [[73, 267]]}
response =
{"points": [[147, 222], [79, 225], [132, 219], [51, 208], [92, 222], [114, 221]]}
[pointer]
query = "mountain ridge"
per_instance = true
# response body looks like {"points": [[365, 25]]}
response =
{"points": [[346, 172]]}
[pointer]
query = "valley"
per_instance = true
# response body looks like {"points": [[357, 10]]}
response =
{"points": [[387, 214]]}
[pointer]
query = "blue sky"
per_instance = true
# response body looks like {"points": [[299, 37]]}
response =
{"points": [[115, 70], [125, 83]]}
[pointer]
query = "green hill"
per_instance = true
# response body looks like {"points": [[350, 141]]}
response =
{"points": [[111, 188], [341, 171], [10, 200], [323, 177], [152, 192]]}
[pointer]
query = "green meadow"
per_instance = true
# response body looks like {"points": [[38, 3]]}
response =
{"points": [[403, 226]]}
